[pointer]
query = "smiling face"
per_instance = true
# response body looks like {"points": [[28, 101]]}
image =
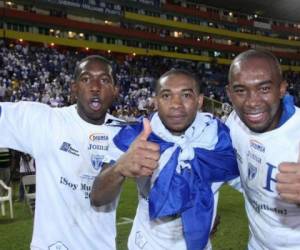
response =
{"points": [[94, 89], [255, 90], [177, 101]]}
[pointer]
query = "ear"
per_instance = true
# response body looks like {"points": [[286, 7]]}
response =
{"points": [[116, 91], [282, 88], [227, 87], [200, 101], [74, 88], [155, 102]]}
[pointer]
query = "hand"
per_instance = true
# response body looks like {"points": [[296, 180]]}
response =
{"points": [[288, 182], [141, 159]]}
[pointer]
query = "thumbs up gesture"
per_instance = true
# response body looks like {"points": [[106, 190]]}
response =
{"points": [[141, 159], [146, 131], [288, 181]]}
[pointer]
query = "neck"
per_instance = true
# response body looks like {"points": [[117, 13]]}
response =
{"points": [[90, 119]]}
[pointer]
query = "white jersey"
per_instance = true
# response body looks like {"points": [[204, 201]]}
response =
{"points": [[274, 224], [69, 153], [160, 234]]}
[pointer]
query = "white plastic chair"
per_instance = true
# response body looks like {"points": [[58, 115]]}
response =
{"points": [[8, 198], [27, 181]]}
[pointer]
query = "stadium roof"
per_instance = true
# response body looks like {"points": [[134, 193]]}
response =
{"points": [[276, 9]]}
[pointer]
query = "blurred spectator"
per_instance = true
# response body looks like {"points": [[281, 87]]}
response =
{"points": [[44, 74]]}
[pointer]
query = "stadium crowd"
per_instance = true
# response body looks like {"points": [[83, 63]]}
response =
{"points": [[44, 74]]}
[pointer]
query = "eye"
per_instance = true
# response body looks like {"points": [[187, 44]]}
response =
{"points": [[187, 95], [265, 89], [85, 79], [165, 96], [106, 80], [239, 91]]}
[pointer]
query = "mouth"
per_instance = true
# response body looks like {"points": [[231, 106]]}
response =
{"points": [[177, 118], [95, 104], [256, 117]]}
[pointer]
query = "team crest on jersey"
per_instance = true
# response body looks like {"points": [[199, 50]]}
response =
{"points": [[97, 161], [58, 246], [252, 171], [140, 240]]}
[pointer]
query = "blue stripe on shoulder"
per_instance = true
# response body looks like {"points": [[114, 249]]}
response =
{"points": [[0, 110]]}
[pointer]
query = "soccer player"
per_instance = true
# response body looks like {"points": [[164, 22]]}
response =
{"points": [[265, 132], [69, 145], [183, 151]]}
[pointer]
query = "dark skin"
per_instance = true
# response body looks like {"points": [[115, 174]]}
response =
{"points": [[141, 159], [255, 90], [95, 90], [177, 102]]}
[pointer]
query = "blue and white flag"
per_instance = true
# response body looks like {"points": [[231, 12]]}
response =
{"points": [[187, 167]]}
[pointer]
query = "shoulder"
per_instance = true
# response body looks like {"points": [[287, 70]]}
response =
{"points": [[127, 134], [211, 121], [22, 109], [112, 120], [232, 119], [24, 105], [297, 112]]}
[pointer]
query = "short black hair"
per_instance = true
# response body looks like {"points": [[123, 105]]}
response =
{"points": [[259, 54], [179, 72], [90, 58]]}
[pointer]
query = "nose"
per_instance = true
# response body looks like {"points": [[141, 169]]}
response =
{"points": [[176, 101], [253, 99], [95, 85]]}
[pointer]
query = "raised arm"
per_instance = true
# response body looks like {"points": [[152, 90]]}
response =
{"points": [[141, 159]]}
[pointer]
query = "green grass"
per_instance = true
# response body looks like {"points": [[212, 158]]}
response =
{"points": [[127, 208], [15, 234], [232, 232]]}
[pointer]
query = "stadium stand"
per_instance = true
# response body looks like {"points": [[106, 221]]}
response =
{"points": [[42, 40]]}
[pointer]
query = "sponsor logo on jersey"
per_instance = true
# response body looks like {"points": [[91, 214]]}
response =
{"points": [[257, 146], [252, 171], [66, 147], [58, 246], [98, 142], [97, 147], [97, 161], [262, 206], [254, 157], [98, 137]]}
